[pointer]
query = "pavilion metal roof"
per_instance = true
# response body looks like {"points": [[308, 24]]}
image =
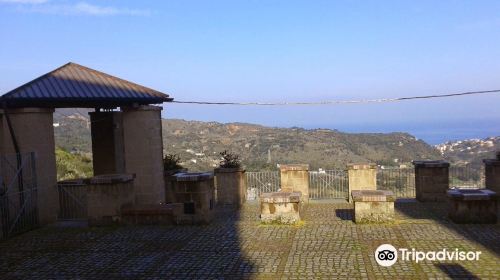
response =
{"points": [[74, 85]]}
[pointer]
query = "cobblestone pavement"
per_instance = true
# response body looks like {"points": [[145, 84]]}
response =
{"points": [[326, 245]]}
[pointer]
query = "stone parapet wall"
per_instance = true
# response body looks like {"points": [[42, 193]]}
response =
{"points": [[107, 195]]}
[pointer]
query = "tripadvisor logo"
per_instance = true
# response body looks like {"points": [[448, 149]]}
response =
{"points": [[387, 255]]}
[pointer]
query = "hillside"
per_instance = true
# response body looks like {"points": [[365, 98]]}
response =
{"points": [[470, 152], [198, 143]]}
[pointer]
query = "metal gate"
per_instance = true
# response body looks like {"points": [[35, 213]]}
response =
{"points": [[401, 181], [328, 184], [72, 200], [262, 182], [18, 194]]}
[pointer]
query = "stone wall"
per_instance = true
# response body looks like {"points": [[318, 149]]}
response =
{"points": [[431, 180], [106, 196], [34, 131], [295, 178], [144, 152]]}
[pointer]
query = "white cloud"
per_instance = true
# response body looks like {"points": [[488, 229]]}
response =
{"points": [[24, 1], [81, 8], [89, 9]]}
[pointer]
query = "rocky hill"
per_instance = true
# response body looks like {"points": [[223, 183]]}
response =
{"points": [[198, 143]]}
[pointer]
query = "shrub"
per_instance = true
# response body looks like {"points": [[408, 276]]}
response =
{"points": [[171, 162], [229, 160]]}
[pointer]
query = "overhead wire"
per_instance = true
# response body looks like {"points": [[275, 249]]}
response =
{"points": [[336, 102]]}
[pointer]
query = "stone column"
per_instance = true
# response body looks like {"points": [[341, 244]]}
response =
{"points": [[34, 131], [295, 178], [107, 142], [431, 180], [362, 177], [492, 174], [143, 149]]}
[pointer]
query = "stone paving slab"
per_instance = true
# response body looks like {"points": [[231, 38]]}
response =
{"points": [[326, 245]]}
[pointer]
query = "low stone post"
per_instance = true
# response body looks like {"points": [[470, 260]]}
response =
{"points": [[431, 180], [295, 178], [362, 177], [492, 174], [231, 186]]}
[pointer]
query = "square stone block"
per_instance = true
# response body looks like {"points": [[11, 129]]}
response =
{"points": [[468, 206], [295, 178], [431, 180], [196, 192], [280, 207], [373, 206]]}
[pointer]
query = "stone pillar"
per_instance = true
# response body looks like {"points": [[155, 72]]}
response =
{"points": [[431, 180], [143, 147], [34, 131], [492, 174], [107, 142], [295, 178], [231, 186], [362, 177]]}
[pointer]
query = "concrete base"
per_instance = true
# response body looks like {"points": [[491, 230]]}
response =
{"points": [[473, 206], [373, 206], [280, 207]]}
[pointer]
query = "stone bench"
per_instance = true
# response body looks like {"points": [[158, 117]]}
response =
{"points": [[474, 206], [373, 206], [280, 207]]}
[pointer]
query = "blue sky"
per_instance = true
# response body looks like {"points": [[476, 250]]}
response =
{"points": [[277, 51]]}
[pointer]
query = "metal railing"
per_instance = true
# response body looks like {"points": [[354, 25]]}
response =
{"points": [[18, 194], [262, 182], [72, 201], [328, 184], [401, 181], [332, 184], [466, 177]]}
